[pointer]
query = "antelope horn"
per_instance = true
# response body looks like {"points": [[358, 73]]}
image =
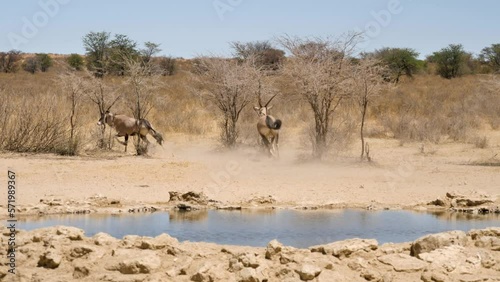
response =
{"points": [[270, 100]]}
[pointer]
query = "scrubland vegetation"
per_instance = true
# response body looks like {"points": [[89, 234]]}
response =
{"points": [[328, 97]]}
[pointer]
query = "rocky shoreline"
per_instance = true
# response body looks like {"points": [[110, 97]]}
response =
{"points": [[65, 254], [98, 204]]}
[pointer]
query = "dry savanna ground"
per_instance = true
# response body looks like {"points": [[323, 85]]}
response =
{"points": [[427, 136]]}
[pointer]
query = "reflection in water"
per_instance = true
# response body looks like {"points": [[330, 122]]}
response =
{"points": [[188, 215], [258, 227], [463, 216]]}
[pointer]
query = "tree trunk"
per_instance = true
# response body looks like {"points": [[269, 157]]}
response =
{"points": [[321, 120], [363, 115]]}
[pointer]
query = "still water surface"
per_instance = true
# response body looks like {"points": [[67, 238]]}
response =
{"points": [[257, 228]]}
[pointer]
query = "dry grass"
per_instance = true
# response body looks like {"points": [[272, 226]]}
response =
{"points": [[433, 109], [34, 115]]}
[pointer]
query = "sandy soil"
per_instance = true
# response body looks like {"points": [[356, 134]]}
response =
{"points": [[399, 175]]}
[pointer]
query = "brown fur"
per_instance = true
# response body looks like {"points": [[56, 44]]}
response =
{"points": [[127, 126]]}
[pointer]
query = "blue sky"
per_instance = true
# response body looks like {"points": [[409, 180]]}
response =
{"points": [[187, 28]]}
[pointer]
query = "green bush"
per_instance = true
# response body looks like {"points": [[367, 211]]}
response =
{"points": [[75, 61]]}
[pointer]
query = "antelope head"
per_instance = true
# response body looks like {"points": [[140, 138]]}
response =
{"points": [[105, 118], [263, 110]]}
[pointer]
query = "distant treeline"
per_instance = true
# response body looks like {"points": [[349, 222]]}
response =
{"points": [[107, 55]]}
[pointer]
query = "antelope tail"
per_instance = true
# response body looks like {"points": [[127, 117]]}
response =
{"points": [[273, 124], [156, 135]]}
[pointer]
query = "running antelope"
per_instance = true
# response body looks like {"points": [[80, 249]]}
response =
{"points": [[126, 126], [268, 127]]}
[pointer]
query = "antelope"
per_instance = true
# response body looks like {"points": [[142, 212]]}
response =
{"points": [[126, 126], [268, 127]]}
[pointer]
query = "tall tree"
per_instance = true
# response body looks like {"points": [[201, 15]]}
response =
{"points": [[262, 52], [142, 81], [399, 62], [121, 48], [450, 61], [368, 83], [75, 61], [320, 70], [149, 51], [45, 61], [230, 87], [9, 61], [491, 55], [96, 46], [31, 65]]}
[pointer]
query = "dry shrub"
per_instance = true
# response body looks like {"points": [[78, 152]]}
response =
{"points": [[431, 108], [179, 110], [481, 142], [340, 137], [34, 126]]}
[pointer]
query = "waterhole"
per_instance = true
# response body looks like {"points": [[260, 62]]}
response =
{"points": [[257, 227]]}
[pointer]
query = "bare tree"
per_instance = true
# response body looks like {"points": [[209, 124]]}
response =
{"points": [[368, 83], [230, 86], [319, 69], [142, 81], [104, 96], [9, 61], [73, 87]]}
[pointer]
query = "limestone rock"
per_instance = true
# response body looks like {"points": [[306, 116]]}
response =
{"points": [[50, 259], [273, 248], [487, 259], [235, 265], [132, 241], [488, 242], [308, 272], [80, 251], [448, 258], [104, 239], [436, 241], [143, 264], [202, 272], [163, 240], [403, 262], [478, 233], [248, 260], [248, 275], [192, 197], [72, 233], [358, 264], [80, 271], [371, 275], [434, 276], [345, 248]]}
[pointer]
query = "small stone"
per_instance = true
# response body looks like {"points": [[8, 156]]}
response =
{"points": [[345, 248], [72, 233], [436, 241], [50, 260], [403, 262], [273, 248], [104, 239], [308, 272], [248, 275], [145, 264], [80, 251], [80, 272], [248, 260]]}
